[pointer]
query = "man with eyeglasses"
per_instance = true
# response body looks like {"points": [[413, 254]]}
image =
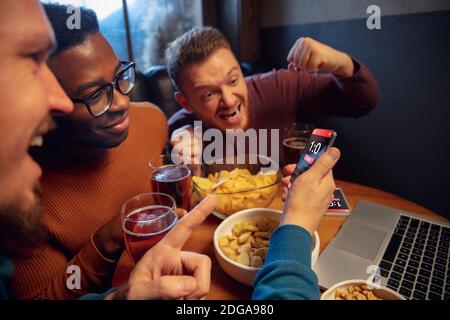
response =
{"points": [[165, 271], [93, 162]]}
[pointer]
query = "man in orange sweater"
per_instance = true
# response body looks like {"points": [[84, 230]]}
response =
{"points": [[164, 271], [93, 162]]}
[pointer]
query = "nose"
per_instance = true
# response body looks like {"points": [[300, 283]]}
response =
{"points": [[228, 98], [59, 102], [120, 102]]}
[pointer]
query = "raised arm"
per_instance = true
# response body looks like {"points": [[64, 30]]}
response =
{"points": [[287, 273], [323, 81]]}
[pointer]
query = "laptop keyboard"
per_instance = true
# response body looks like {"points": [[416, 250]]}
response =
{"points": [[416, 261]]}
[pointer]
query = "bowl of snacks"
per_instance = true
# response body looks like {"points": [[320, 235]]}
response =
{"points": [[359, 290], [238, 186], [241, 242]]}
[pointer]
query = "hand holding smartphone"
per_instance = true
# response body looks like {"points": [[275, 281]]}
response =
{"points": [[319, 142]]}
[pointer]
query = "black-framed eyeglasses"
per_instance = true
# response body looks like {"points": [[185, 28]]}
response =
{"points": [[100, 100]]}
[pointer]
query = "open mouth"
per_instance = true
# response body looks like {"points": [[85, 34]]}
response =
{"points": [[37, 140], [232, 114]]}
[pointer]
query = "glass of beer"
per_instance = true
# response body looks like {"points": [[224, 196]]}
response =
{"points": [[172, 179], [295, 138], [146, 219]]}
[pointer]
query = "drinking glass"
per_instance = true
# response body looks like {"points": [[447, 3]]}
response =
{"points": [[172, 179], [295, 138], [146, 219]]}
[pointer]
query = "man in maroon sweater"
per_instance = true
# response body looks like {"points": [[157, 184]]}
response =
{"points": [[320, 81]]}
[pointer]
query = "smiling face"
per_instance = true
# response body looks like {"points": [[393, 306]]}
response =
{"points": [[29, 92], [215, 90], [81, 70]]}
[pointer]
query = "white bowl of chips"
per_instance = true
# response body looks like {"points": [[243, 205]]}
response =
{"points": [[359, 289], [238, 186], [241, 268]]}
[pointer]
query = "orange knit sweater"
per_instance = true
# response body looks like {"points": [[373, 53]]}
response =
{"points": [[77, 201]]}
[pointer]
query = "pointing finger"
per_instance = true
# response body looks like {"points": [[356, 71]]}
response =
{"points": [[177, 237]]}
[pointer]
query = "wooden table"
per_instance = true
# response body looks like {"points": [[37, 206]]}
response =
{"points": [[225, 287]]}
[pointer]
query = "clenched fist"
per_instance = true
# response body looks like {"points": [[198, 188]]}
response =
{"points": [[312, 56]]}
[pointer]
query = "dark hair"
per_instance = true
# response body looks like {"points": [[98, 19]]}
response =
{"points": [[193, 46], [66, 38]]}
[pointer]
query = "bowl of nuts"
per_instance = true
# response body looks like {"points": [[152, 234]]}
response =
{"points": [[242, 240], [359, 290]]}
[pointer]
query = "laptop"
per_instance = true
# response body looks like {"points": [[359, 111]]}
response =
{"points": [[410, 252]]}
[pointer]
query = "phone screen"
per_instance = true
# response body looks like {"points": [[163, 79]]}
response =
{"points": [[318, 143]]}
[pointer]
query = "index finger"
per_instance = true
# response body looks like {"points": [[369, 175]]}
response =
{"points": [[177, 237], [289, 169]]}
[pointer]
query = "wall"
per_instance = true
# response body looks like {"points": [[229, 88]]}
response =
{"points": [[291, 12], [401, 146]]}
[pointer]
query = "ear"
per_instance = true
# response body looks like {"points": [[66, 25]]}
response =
{"points": [[182, 101]]}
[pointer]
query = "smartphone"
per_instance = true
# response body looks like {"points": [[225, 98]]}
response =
{"points": [[319, 142]]}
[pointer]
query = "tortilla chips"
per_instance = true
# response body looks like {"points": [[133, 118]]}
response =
{"points": [[239, 189]]}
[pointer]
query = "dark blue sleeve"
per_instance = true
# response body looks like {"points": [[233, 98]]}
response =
{"points": [[97, 296], [287, 273]]}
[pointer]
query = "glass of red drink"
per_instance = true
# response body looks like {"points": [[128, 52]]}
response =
{"points": [[172, 179], [295, 138], [146, 219]]}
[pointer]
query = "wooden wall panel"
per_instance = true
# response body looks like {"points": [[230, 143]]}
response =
{"points": [[239, 20]]}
